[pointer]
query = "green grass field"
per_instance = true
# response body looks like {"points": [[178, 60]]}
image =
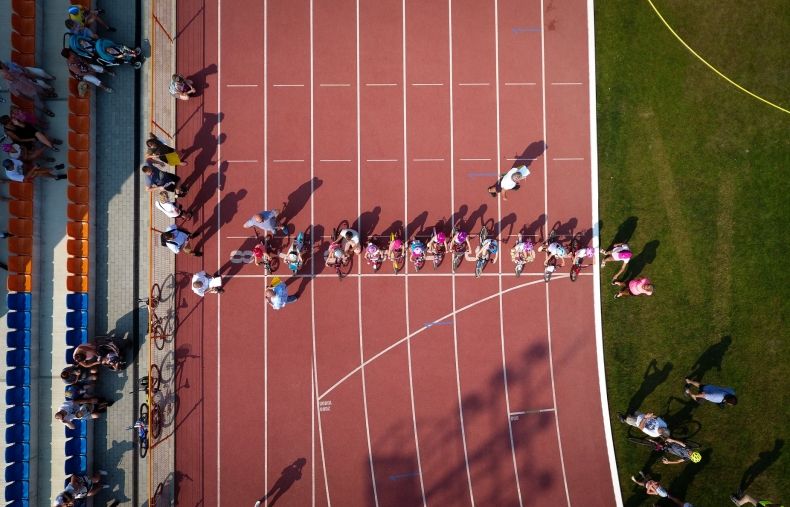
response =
{"points": [[694, 175]]}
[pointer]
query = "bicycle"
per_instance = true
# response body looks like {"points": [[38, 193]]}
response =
{"points": [[397, 258], [658, 445], [266, 260], [529, 255], [151, 382], [481, 261], [142, 427], [297, 248], [577, 263], [335, 245], [155, 324]]}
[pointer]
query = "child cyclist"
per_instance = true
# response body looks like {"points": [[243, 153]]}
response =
{"points": [[460, 243], [336, 256], [396, 251], [582, 253], [522, 252], [293, 257], [487, 250], [437, 245], [417, 253], [374, 255], [555, 250]]}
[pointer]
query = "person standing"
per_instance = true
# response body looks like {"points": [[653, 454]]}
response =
{"points": [[509, 181], [277, 294], [266, 221], [202, 284], [722, 396]]}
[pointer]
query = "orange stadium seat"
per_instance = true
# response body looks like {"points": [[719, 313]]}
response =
{"points": [[79, 195], [77, 212], [77, 230], [25, 60], [77, 247], [21, 209], [20, 246], [78, 106], [84, 3], [24, 26], [20, 264], [79, 177], [77, 266], [77, 283], [25, 44], [24, 8], [22, 102], [79, 141], [21, 227], [19, 283], [80, 124], [21, 190], [80, 159]]}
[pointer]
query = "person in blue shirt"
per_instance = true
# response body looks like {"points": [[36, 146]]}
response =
{"points": [[721, 396]]}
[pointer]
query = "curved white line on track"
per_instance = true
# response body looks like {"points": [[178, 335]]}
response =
{"points": [[423, 328]]}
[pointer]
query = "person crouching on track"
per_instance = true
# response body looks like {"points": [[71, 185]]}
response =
{"points": [[202, 284], [351, 241]]}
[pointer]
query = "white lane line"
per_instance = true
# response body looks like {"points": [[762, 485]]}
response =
{"points": [[375, 275], [428, 325], [475, 159], [520, 159], [499, 260], [219, 250], [382, 160], [427, 160], [536, 411], [266, 206], [406, 281], [452, 204], [241, 86], [381, 84], [546, 214], [474, 84], [567, 159], [335, 160], [246, 161], [287, 161], [288, 85], [520, 84], [427, 84], [596, 243], [567, 84], [312, 257], [334, 85], [359, 271]]}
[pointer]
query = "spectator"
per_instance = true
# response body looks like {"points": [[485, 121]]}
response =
{"points": [[277, 294], [649, 423], [6, 234], [160, 152], [83, 70], [16, 170], [178, 239], [181, 87], [266, 221], [75, 374], [24, 154], [80, 487], [654, 488], [722, 396], [202, 283], [82, 408], [509, 181], [156, 178], [620, 252], [170, 208], [75, 28], [30, 83], [744, 499], [25, 133], [635, 287], [88, 17]]}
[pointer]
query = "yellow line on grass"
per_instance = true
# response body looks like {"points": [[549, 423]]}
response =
{"points": [[714, 69]]}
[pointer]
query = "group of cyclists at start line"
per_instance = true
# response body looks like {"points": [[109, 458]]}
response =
{"points": [[347, 242]]}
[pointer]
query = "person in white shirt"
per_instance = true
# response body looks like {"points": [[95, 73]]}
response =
{"points": [[170, 208], [650, 424], [277, 296], [83, 408], [202, 283], [509, 181], [351, 241], [16, 170], [178, 239]]}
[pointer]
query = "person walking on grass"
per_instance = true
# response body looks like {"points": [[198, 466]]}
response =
{"points": [[202, 284], [654, 488], [509, 181], [740, 498], [650, 424], [620, 252], [636, 287], [277, 294], [266, 221], [721, 396], [177, 240]]}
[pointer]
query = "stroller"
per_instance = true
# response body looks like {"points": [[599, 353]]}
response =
{"points": [[104, 51]]}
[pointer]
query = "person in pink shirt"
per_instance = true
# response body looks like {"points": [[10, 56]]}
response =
{"points": [[635, 287]]}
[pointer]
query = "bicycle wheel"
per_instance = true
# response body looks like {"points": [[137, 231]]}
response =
{"points": [[575, 272], [483, 234], [456, 261], [549, 270], [156, 421], [159, 337], [519, 269], [142, 447], [692, 444], [479, 267], [156, 295], [144, 412], [160, 488], [643, 441], [154, 379]]}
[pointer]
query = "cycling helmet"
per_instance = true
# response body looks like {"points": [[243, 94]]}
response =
{"points": [[74, 10], [695, 457], [440, 237], [493, 247], [397, 244], [338, 253], [372, 249], [528, 246], [417, 250], [462, 237]]}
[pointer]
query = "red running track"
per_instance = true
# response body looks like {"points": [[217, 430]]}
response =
{"points": [[415, 389]]}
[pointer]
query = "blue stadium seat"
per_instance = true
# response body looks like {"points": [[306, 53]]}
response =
{"points": [[19, 490], [17, 452], [18, 320], [80, 429], [77, 301], [76, 337], [76, 464], [18, 396], [18, 357], [17, 414], [77, 446], [19, 339], [18, 377], [17, 433], [17, 472], [69, 355], [19, 301], [77, 319]]}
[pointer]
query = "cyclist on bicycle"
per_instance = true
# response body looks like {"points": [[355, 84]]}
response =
{"points": [[581, 254], [336, 256], [523, 251], [555, 251], [260, 254], [396, 250], [417, 250], [373, 254], [679, 449], [437, 244], [489, 248], [293, 257], [460, 243]]}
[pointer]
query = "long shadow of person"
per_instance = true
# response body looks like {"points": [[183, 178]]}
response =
{"points": [[530, 153], [199, 78], [299, 198], [534, 228], [458, 216], [681, 422], [225, 211], [624, 232], [645, 257], [366, 223], [470, 223], [679, 486], [417, 225], [289, 475], [505, 227], [651, 379], [764, 460], [206, 142], [711, 358]]}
